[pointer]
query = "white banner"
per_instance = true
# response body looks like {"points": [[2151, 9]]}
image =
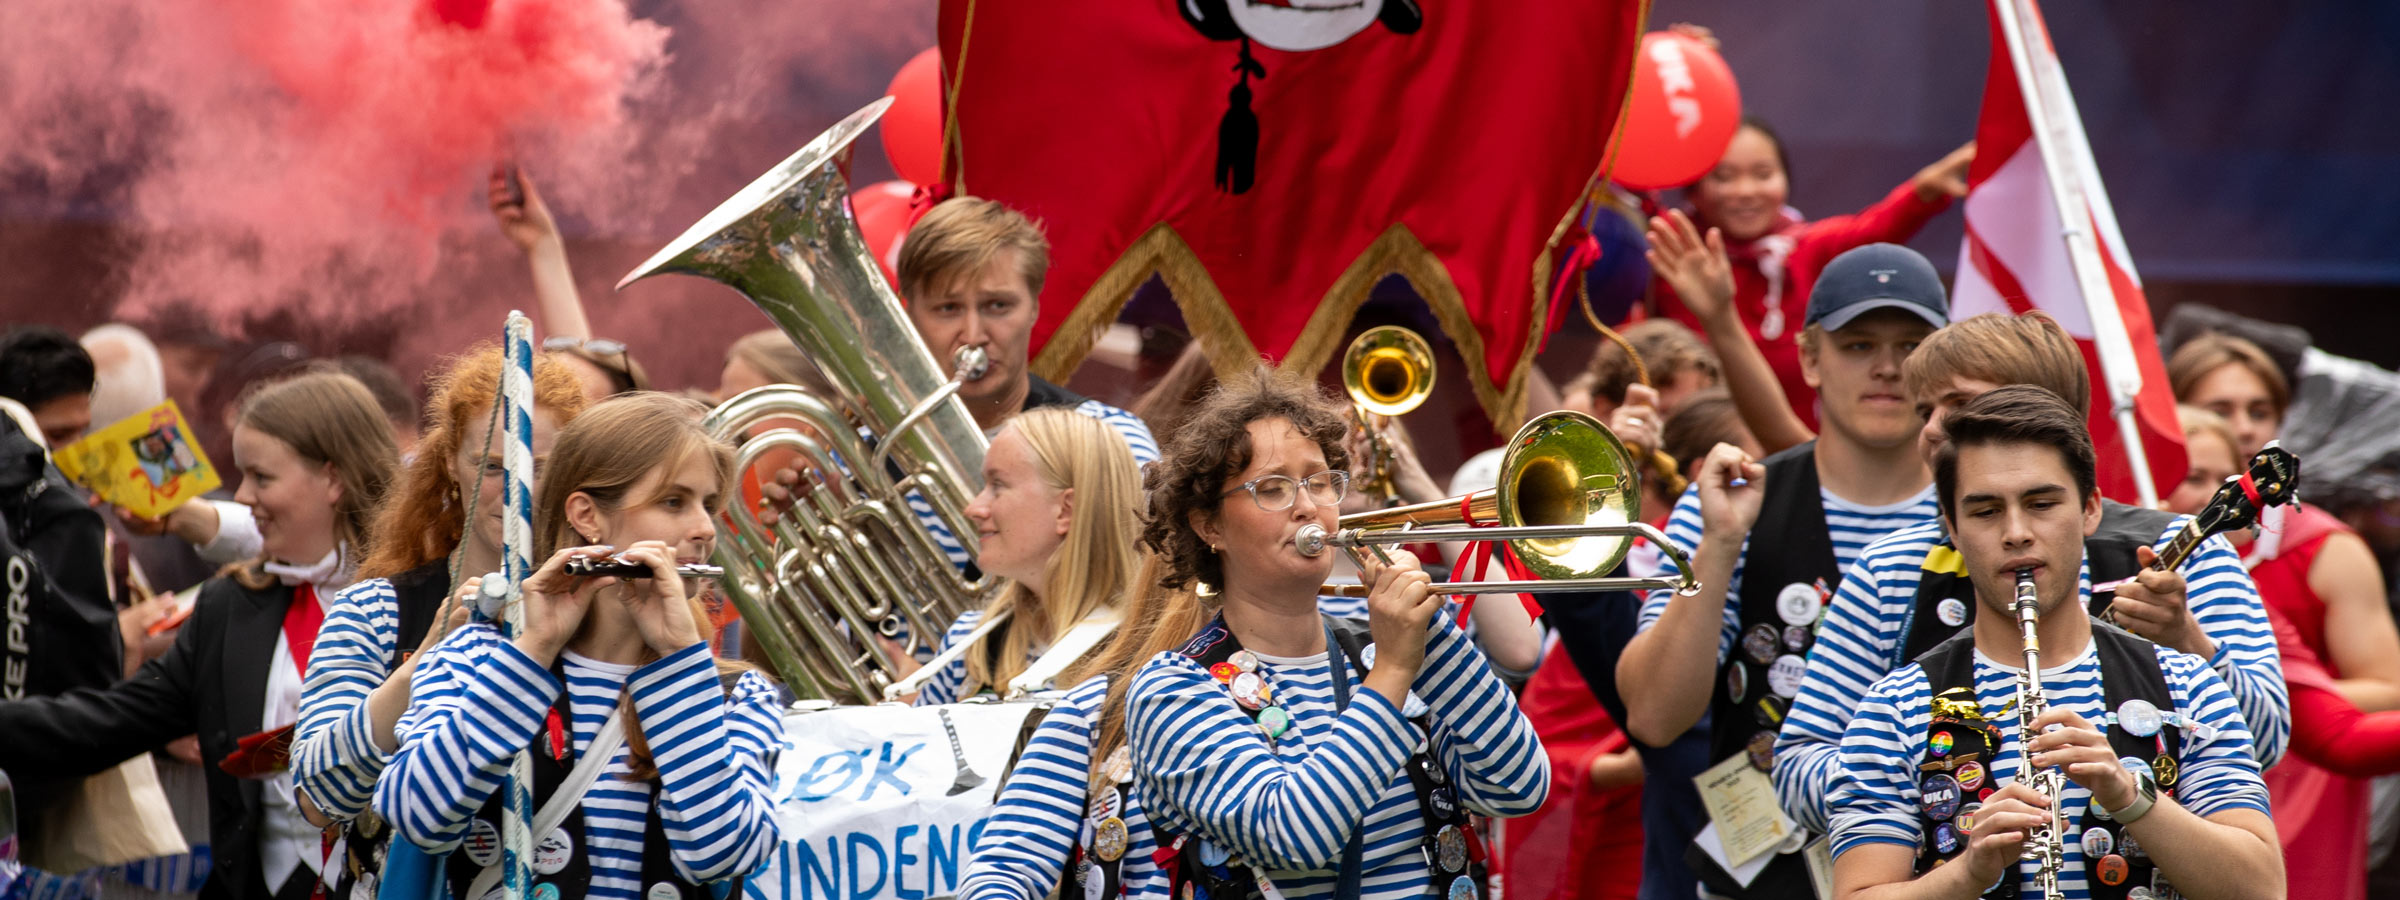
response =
{"points": [[884, 802]]}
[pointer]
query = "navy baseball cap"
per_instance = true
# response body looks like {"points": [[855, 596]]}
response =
{"points": [[1877, 276]]}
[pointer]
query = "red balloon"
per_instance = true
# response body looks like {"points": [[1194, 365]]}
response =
{"points": [[1684, 112], [912, 128], [881, 210]]}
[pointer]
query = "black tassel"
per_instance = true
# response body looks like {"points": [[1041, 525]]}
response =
{"points": [[1237, 132]]}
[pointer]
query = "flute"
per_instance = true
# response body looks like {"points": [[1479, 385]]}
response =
{"points": [[2042, 843], [604, 566]]}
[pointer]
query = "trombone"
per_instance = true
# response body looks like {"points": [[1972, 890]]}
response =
{"points": [[1566, 504], [1387, 372]]}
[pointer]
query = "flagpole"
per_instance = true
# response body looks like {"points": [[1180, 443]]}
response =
{"points": [[2118, 368]]}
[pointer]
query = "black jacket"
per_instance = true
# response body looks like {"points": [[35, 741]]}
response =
{"points": [[213, 682]]}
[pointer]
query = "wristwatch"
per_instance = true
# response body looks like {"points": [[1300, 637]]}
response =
{"points": [[2145, 795]]}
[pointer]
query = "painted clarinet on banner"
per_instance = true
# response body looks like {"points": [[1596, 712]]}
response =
{"points": [[516, 563], [2041, 844]]}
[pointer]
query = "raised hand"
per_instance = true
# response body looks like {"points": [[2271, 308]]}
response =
{"points": [[524, 218], [1697, 269], [1401, 605], [1728, 510], [1946, 179], [2156, 606]]}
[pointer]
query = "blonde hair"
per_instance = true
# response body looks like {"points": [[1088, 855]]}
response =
{"points": [[2212, 351], [962, 235], [605, 452], [424, 521], [1668, 349], [328, 419], [772, 354], [1094, 565], [1156, 620], [2031, 348], [2202, 420]]}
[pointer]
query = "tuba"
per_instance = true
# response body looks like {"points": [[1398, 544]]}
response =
{"points": [[843, 591]]}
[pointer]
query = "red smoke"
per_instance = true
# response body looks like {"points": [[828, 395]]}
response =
{"points": [[316, 169]]}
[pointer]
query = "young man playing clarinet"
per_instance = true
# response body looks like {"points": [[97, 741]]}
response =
{"points": [[1910, 590], [1734, 650], [2142, 783]]}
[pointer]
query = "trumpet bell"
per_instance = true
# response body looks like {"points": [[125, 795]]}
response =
{"points": [[1388, 370], [1566, 469]]}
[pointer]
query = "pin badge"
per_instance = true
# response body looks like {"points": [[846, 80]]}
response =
{"points": [[1224, 671], [1213, 855], [550, 856], [1799, 604], [1970, 775], [1108, 839], [1737, 682], [1945, 838], [1784, 674], [2139, 718], [1246, 690], [2166, 771], [1244, 660], [1762, 751], [482, 842], [1797, 638], [1940, 795], [1461, 889], [2113, 870], [2098, 842], [1940, 743], [1450, 848], [1274, 721], [663, 891], [1966, 817], [1759, 643], [1952, 611], [545, 891]]}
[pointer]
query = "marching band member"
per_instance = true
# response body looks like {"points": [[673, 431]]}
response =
{"points": [[356, 687], [1278, 744], [2160, 794], [1058, 517], [1909, 591], [1734, 651], [681, 804], [1040, 842], [315, 453]]}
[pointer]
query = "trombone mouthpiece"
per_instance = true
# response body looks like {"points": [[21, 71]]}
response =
{"points": [[1310, 540]]}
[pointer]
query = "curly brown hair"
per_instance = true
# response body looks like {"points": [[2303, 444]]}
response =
{"points": [[1213, 445]]}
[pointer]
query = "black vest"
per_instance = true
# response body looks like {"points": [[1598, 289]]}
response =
{"points": [[2110, 552], [552, 761], [1453, 849], [1959, 752], [1790, 549]]}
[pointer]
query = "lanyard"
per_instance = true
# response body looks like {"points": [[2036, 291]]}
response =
{"points": [[1338, 661]]}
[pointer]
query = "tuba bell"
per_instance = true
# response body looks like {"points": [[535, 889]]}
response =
{"points": [[843, 591]]}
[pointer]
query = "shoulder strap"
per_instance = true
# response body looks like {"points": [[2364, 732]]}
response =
{"points": [[569, 794], [1950, 663], [417, 595]]}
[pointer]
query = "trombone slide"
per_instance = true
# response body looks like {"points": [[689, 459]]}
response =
{"points": [[1312, 539]]}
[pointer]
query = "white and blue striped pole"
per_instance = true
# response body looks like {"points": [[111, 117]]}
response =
{"points": [[516, 562]]}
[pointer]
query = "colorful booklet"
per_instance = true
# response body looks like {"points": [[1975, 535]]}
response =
{"points": [[148, 463]]}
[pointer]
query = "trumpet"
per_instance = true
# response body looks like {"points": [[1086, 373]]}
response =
{"points": [[1388, 371], [1566, 504], [2042, 843]]}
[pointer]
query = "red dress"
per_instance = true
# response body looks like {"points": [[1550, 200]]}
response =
{"points": [[2320, 813], [1772, 275], [1582, 844]]}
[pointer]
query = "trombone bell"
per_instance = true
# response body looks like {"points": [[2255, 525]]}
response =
{"points": [[1567, 503]]}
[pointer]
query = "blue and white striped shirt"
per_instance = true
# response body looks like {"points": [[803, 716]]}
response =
{"points": [[946, 685], [334, 757], [479, 700], [1201, 766], [1874, 796], [1041, 815], [1865, 631], [1851, 526]]}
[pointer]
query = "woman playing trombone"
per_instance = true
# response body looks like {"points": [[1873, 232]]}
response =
{"points": [[1279, 744]]}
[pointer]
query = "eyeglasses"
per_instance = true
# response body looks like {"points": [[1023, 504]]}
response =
{"points": [[1275, 493], [595, 345]]}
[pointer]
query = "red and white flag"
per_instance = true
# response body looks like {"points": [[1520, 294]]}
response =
{"points": [[2018, 254]]}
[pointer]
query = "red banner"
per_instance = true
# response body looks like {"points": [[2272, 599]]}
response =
{"points": [[1273, 160]]}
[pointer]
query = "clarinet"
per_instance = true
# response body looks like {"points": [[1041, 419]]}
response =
{"points": [[2042, 843]]}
